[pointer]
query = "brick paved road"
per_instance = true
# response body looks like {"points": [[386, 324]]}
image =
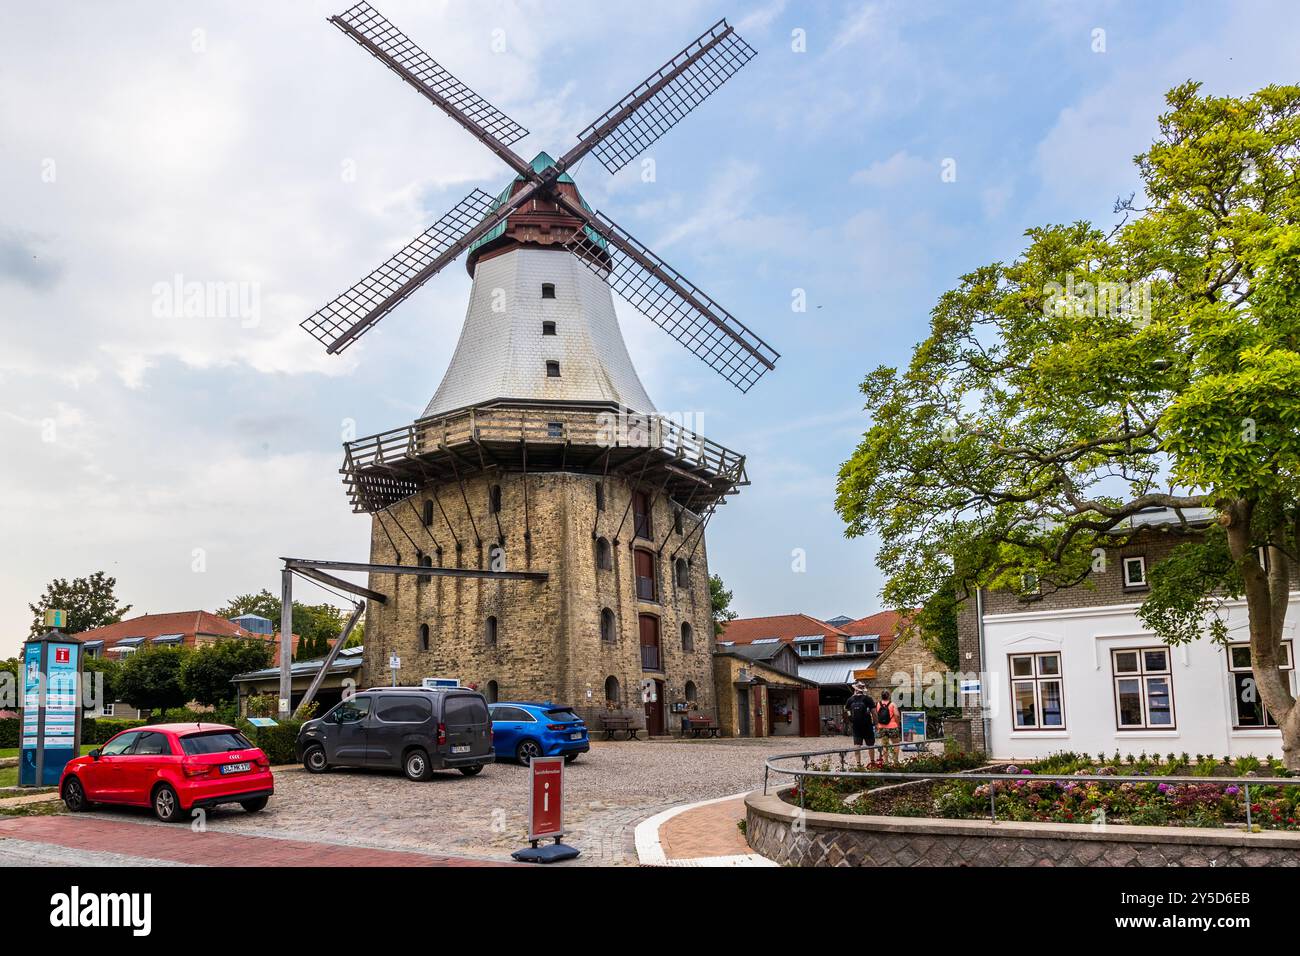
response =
{"points": [[609, 791]]}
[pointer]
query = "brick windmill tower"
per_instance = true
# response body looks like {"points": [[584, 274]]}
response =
{"points": [[557, 520]]}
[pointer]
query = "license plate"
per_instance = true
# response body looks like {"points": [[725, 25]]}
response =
{"points": [[236, 768], [577, 736], [460, 749]]}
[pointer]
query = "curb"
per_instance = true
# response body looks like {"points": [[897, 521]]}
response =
{"points": [[650, 851]]}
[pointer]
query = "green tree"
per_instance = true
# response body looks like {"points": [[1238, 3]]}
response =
{"points": [[109, 668], [151, 679], [206, 673], [1154, 365], [315, 624], [721, 600], [89, 601]]}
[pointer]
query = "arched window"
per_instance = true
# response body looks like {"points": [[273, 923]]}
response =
{"points": [[552, 369], [691, 692], [491, 692], [548, 290], [688, 638], [604, 555], [600, 496], [646, 587], [608, 631], [683, 573], [496, 499], [428, 514], [424, 637], [548, 328], [611, 690], [490, 632], [677, 520], [426, 560]]}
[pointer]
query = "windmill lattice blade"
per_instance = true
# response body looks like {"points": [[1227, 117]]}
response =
{"points": [[721, 52], [374, 296], [664, 296], [424, 70]]}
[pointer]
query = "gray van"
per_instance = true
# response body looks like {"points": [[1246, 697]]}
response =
{"points": [[413, 728]]}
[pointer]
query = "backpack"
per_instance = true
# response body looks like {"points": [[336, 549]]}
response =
{"points": [[859, 708], [882, 712]]}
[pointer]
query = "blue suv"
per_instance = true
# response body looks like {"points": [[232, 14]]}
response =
{"points": [[522, 730]]}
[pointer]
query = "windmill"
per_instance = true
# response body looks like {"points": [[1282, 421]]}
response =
{"points": [[540, 528], [626, 130]]}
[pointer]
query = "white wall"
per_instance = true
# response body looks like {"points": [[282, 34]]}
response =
{"points": [[1084, 637]]}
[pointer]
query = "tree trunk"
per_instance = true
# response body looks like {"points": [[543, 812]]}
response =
{"points": [[1267, 595]]}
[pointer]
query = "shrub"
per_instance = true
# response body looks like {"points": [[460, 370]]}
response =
{"points": [[99, 730], [279, 743], [9, 732]]}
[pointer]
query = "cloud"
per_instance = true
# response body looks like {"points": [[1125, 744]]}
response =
{"points": [[26, 260], [899, 168]]}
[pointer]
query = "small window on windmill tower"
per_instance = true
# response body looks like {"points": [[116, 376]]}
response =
{"points": [[424, 637], [548, 290], [604, 555], [496, 499], [428, 514], [677, 520], [490, 633], [552, 369], [600, 496], [548, 328]]}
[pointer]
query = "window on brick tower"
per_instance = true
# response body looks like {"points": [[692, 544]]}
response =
{"points": [[608, 630], [604, 555], [677, 520], [600, 496], [683, 572], [611, 690], [548, 290], [490, 631], [491, 692], [424, 637], [641, 515], [552, 369], [646, 588], [688, 638], [691, 692], [548, 328], [496, 499], [428, 514]]}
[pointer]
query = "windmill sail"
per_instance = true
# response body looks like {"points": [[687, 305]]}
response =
{"points": [[664, 98], [663, 295], [340, 323]]}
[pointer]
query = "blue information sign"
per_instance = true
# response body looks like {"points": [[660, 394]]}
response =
{"points": [[51, 704]]}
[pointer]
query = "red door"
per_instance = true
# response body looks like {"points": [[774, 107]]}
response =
{"points": [[809, 712]]}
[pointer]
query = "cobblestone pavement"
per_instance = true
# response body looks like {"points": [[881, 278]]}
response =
{"points": [[609, 791]]}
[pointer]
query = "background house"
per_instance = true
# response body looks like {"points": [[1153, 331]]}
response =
{"points": [[760, 693]]}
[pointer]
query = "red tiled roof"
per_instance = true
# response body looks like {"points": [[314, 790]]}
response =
{"points": [[885, 623], [186, 623], [746, 630]]}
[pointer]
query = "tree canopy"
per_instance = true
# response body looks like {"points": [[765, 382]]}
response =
{"points": [[315, 624], [1107, 372], [205, 674], [91, 602], [721, 601]]}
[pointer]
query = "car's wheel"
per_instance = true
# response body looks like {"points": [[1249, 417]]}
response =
{"points": [[569, 758], [527, 750], [74, 796], [416, 765], [313, 758], [254, 805], [471, 770], [166, 805]]}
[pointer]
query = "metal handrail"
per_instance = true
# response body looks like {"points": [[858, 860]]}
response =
{"points": [[1243, 782]]}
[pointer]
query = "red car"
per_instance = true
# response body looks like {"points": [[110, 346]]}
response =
{"points": [[172, 768]]}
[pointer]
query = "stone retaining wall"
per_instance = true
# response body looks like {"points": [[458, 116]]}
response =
{"points": [[841, 839]]}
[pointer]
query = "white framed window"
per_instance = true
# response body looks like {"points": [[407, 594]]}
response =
{"points": [[810, 649], [106, 710], [1249, 712], [1144, 689], [1037, 692], [1030, 585], [1135, 571], [862, 647]]}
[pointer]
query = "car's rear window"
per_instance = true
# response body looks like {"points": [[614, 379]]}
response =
{"points": [[214, 742], [464, 709], [561, 713]]}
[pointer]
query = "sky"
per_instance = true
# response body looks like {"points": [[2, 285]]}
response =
{"points": [[870, 155]]}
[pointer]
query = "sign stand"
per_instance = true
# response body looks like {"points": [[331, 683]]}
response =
{"points": [[51, 709], [546, 813]]}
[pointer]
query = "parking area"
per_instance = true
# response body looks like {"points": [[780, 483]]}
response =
{"points": [[609, 791]]}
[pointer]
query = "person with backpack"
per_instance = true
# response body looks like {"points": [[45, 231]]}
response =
{"points": [[888, 726], [860, 710]]}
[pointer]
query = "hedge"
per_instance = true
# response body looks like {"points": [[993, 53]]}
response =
{"points": [[94, 730], [279, 743]]}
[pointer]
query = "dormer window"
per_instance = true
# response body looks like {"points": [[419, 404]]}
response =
{"points": [[548, 328], [548, 290]]}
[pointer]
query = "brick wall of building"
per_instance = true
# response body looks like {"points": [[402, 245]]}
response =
{"points": [[548, 639]]}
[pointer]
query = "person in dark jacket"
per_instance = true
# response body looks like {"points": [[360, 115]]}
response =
{"points": [[860, 712]]}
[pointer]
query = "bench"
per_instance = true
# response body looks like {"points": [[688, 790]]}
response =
{"points": [[611, 723], [699, 725]]}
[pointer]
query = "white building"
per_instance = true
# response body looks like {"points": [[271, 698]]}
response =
{"points": [[1077, 670]]}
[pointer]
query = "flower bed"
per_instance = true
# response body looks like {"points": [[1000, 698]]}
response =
{"points": [[1090, 799]]}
